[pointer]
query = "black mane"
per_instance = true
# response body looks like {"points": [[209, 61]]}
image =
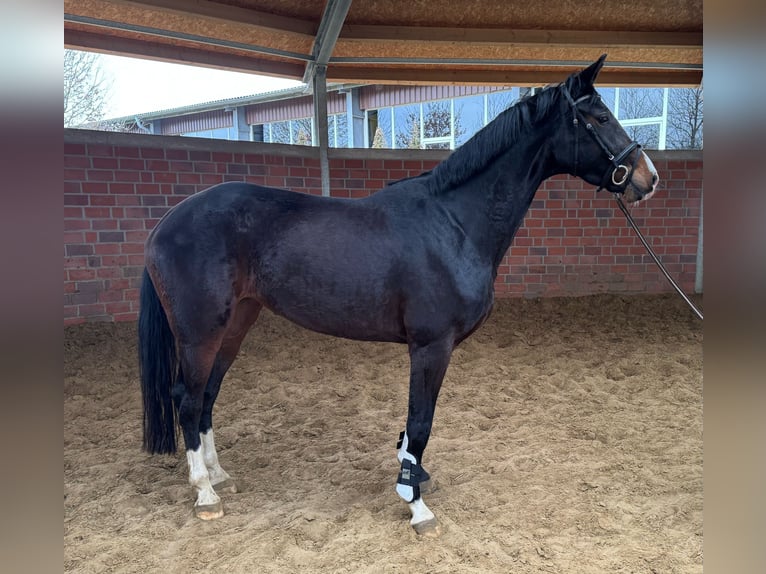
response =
{"points": [[492, 140]]}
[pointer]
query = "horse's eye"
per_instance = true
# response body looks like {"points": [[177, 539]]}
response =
{"points": [[603, 118]]}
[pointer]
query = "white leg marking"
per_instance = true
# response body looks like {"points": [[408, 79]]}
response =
{"points": [[405, 492], [420, 512], [199, 478], [217, 474]]}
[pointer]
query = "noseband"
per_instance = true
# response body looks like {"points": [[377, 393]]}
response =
{"points": [[620, 173]]}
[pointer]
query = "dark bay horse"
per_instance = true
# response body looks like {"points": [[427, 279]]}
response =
{"points": [[414, 263]]}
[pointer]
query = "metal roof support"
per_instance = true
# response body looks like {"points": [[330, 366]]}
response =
{"points": [[327, 34], [354, 118], [320, 120], [239, 123], [316, 74]]}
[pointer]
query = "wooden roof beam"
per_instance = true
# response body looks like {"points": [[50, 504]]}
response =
{"points": [[508, 77], [223, 13], [153, 50], [563, 38]]}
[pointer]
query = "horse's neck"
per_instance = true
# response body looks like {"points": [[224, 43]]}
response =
{"points": [[492, 204]]}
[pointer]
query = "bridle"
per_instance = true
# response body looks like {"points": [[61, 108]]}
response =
{"points": [[619, 172]]}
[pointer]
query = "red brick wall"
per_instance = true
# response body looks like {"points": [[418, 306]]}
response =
{"points": [[572, 242]]}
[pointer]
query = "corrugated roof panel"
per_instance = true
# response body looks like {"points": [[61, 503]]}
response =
{"points": [[383, 96], [197, 122], [284, 110]]}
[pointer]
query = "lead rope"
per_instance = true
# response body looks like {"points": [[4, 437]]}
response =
{"points": [[656, 259]]}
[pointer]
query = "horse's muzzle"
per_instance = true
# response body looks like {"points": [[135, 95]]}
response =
{"points": [[643, 182]]}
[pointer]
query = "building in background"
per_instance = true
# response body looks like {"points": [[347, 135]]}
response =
{"points": [[396, 117]]}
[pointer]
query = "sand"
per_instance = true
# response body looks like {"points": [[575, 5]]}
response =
{"points": [[567, 438]]}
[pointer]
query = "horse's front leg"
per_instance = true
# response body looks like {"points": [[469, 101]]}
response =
{"points": [[428, 364]]}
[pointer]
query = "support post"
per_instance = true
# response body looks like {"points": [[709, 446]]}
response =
{"points": [[354, 119], [698, 275], [241, 128], [320, 120]]}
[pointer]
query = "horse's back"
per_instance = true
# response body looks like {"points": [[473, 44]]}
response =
{"points": [[228, 216]]}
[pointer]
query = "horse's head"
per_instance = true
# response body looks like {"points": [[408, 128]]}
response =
{"points": [[593, 145]]}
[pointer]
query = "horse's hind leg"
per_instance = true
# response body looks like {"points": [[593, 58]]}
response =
{"points": [[428, 367], [196, 364], [245, 315], [219, 478]]}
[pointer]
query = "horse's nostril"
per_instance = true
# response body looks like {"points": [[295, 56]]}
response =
{"points": [[655, 179]]}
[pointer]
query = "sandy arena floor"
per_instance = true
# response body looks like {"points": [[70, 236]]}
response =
{"points": [[567, 438]]}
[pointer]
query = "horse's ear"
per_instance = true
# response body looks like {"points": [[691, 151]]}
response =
{"points": [[581, 81], [589, 74]]}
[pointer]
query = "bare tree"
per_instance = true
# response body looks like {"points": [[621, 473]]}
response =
{"points": [[436, 124], [685, 118], [498, 102], [117, 125], [280, 132], [85, 88], [410, 136], [340, 124], [639, 103]]}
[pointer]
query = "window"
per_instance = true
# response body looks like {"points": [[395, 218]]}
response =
{"points": [[469, 117], [407, 127], [438, 125], [608, 95], [658, 118], [380, 127], [636, 103], [277, 132], [337, 127], [441, 124], [300, 131], [499, 102], [296, 132], [684, 118], [218, 134], [647, 134]]}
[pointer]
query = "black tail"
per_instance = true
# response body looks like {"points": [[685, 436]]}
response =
{"points": [[157, 359]]}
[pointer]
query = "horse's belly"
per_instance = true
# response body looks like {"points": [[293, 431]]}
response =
{"points": [[363, 326], [348, 314]]}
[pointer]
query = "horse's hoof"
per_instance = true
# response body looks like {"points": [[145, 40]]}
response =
{"points": [[228, 486], [209, 511], [429, 528], [428, 486]]}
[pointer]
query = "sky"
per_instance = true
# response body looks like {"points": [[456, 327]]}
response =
{"points": [[140, 86]]}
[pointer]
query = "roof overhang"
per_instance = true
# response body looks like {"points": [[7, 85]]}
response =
{"points": [[507, 42]]}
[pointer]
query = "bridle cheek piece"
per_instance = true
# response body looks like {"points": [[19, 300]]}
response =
{"points": [[620, 173]]}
